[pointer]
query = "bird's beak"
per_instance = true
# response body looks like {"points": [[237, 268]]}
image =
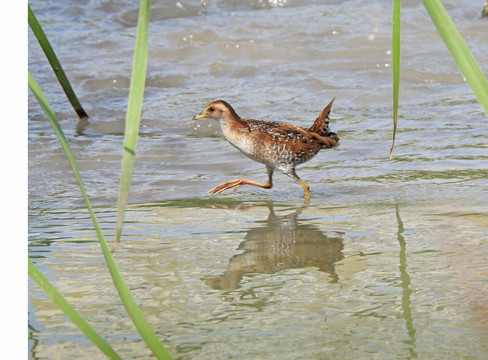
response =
{"points": [[202, 115]]}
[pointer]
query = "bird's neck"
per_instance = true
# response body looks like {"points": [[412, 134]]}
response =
{"points": [[230, 124]]}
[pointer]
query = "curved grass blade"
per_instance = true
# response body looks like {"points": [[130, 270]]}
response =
{"points": [[134, 109], [70, 312], [459, 51], [395, 51], [55, 64], [130, 305]]}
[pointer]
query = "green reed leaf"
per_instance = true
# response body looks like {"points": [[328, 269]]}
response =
{"points": [[55, 64], [395, 52], [70, 312], [459, 51], [130, 305], [133, 116]]}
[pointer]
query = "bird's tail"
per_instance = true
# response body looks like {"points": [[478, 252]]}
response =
{"points": [[321, 124]]}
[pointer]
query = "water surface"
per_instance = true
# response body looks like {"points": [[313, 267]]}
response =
{"points": [[387, 261]]}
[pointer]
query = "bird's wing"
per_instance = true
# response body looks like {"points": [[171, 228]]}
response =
{"points": [[289, 134]]}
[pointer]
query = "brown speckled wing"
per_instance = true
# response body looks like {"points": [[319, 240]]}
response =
{"points": [[283, 143]]}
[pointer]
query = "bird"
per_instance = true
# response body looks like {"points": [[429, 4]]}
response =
{"points": [[277, 145]]}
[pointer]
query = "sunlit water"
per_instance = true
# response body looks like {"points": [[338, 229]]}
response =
{"points": [[389, 259]]}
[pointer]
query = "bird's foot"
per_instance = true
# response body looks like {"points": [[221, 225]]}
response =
{"points": [[238, 183]]}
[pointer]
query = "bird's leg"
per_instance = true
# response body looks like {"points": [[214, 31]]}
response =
{"points": [[241, 182], [305, 187]]}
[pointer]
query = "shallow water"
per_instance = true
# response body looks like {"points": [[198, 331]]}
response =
{"points": [[387, 261]]}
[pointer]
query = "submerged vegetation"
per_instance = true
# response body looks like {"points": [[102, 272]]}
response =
{"points": [[440, 18]]}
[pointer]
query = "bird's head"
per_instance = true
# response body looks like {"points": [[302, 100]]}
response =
{"points": [[217, 110]]}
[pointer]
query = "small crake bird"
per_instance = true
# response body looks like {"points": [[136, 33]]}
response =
{"points": [[275, 144]]}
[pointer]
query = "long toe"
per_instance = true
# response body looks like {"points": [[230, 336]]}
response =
{"points": [[227, 185]]}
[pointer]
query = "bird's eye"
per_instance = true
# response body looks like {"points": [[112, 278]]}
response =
{"points": [[212, 109]]}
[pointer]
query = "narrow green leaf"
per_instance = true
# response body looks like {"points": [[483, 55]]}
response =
{"points": [[55, 64], [395, 52], [134, 109], [459, 51], [70, 312], [130, 305]]}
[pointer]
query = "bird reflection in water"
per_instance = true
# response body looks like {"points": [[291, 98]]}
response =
{"points": [[283, 242]]}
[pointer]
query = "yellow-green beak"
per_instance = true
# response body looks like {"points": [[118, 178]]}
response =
{"points": [[202, 115]]}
